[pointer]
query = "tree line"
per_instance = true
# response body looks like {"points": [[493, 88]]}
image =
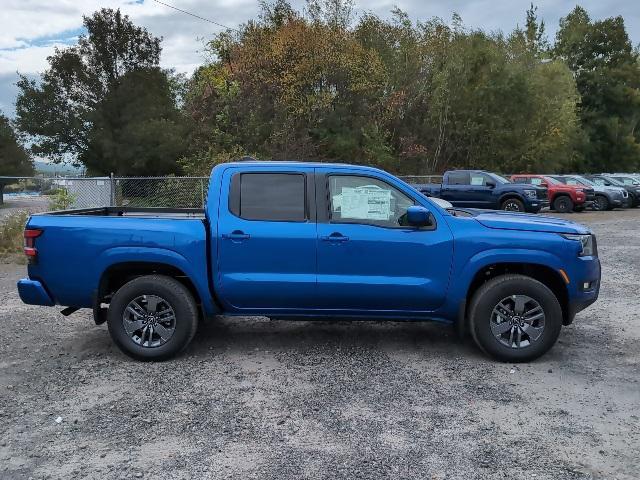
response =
{"points": [[413, 97]]}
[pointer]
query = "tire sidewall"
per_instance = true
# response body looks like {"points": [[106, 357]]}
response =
{"points": [[602, 203], [178, 298], [516, 201], [563, 204], [488, 297]]}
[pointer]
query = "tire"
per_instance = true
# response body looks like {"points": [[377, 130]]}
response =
{"points": [[601, 203], [502, 289], [178, 325], [512, 205], [578, 208], [563, 204]]}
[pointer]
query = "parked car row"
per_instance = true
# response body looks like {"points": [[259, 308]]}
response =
{"points": [[533, 192]]}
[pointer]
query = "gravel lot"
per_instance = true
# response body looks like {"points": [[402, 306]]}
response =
{"points": [[31, 203], [253, 398]]}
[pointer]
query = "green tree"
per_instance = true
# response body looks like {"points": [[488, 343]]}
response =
{"points": [[14, 159], [607, 72], [104, 102], [414, 98]]}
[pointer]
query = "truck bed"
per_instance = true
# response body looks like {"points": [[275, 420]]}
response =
{"points": [[149, 212]]}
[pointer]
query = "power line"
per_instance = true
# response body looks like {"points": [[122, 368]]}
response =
{"points": [[196, 16]]}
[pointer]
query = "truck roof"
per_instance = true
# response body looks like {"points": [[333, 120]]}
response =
{"points": [[293, 163]]}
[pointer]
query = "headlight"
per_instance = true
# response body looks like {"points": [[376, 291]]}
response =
{"points": [[579, 191], [586, 242], [530, 193]]}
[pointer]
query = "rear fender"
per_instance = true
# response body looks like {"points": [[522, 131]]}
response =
{"points": [[196, 273]]}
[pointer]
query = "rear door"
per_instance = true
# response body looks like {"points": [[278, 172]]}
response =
{"points": [[369, 259], [267, 239]]}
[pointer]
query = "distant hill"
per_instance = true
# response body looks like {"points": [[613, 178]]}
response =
{"points": [[57, 168]]}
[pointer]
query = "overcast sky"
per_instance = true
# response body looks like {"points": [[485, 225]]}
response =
{"points": [[31, 29]]}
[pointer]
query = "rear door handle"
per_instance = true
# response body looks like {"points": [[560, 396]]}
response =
{"points": [[236, 235], [335, 237]]}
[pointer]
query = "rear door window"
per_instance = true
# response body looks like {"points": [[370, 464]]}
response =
{"points": [[269, 197]]}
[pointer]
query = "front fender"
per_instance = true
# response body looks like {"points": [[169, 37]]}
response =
{"points": [[464, 276], [196, 273]]}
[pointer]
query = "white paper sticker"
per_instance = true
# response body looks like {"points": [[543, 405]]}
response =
{"points": [[365, 203]]}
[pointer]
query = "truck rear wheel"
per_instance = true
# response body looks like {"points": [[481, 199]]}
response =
{"points": [[563, 204], [152, 317], [515, 318]]}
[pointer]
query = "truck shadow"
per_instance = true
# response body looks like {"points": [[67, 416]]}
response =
{"points": [[238, 334]]}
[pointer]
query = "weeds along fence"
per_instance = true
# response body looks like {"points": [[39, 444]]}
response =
{"points": [[85, 192]]}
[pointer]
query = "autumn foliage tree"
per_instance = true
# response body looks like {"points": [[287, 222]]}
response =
{"points": [[410, 97]]}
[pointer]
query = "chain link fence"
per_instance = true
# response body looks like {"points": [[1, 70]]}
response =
{"points": [[87, 192], [421, 179]]}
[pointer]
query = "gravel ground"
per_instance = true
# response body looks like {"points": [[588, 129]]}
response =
{"points": [[253, 398], [30, 203]]}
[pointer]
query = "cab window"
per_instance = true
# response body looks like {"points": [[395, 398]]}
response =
{"points": [[366, 200]]}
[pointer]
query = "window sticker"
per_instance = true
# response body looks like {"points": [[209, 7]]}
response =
{"points": [[477, 180], [368, 202]]}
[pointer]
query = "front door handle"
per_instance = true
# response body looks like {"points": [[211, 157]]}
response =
{"points": [[335, 237], [236, 235]]}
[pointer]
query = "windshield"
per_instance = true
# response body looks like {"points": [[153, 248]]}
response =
{"points": [[626, 180], [552, 181], [578, 181], [614, 181], [499, 178]]}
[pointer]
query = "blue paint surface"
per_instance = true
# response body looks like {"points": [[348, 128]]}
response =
{"points": [[289, 269]]}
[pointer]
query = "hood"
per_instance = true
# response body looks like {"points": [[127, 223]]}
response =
{"points": [[527, 222]]}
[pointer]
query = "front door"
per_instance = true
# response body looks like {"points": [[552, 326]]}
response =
{"points": [[267, 240], [369, 258]]}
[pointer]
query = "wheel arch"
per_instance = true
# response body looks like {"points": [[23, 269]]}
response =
{"points": [[118, 274], [545, 274], [118, 265], [510, 195]]}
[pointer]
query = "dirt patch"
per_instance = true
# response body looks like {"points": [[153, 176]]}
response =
{"points": [[253, 398]]}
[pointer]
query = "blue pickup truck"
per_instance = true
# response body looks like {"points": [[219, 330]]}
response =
{"points": [[480, 189], [301, 240]]}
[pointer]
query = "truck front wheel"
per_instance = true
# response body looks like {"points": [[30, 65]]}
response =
{"points": [[563, 204], [512, 205], [515, 318], [152, 317]]}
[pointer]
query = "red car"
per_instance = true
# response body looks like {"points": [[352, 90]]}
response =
{"points": [[562, 198]]}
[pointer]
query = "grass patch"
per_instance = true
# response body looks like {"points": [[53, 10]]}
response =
{"points": [[11, 235]]}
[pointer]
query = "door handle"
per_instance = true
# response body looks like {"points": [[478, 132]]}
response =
{"points": [[335, 237], [236, 235]]}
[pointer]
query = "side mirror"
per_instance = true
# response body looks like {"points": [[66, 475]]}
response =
{"points": [[418, 216], [544, 184], [490, 184]]}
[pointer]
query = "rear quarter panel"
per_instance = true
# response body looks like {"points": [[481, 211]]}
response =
{"points": [[74, 252]]}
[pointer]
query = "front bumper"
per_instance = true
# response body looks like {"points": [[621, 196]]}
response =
{"points": [[33, 292], [586, 271]]}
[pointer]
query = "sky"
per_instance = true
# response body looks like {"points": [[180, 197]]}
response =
{"points": [[31, 29]]}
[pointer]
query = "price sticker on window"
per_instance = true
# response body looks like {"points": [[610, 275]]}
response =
{"points": [[365, 203]]}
